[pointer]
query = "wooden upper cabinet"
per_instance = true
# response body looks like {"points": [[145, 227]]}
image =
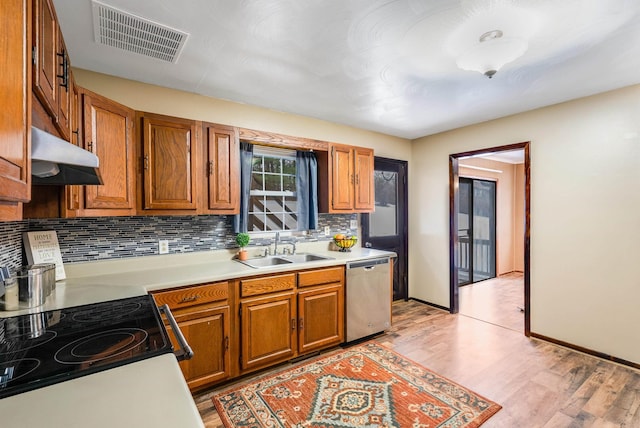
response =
{"points": [[46, 63], [350, 180], [342, 178], [73, 192], [364, 197], [15, 97], [222, 168], [169, 154], [108, 132], [52, 83]]}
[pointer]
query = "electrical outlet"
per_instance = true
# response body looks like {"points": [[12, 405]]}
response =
{"points": [[327, 231], [163, 246], [353, 224]]}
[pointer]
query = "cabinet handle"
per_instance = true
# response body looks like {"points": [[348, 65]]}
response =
{"points": [[301, 323], [351, 178], [293, 324], [65, 70], [357, 179], [210, 167], [226, 343], [189, 299], [146, 161], [90, 146]]}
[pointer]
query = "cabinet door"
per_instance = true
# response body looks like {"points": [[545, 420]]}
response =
{"points": [[15, 97], [320, 317], [45, 40], [72, 192], [65, 93], [342, 178], [364, 184], [268, 330], [169, 156], [222, 169], [108, 132], [207, 332]]}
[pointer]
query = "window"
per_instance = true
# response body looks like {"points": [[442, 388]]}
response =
{"points": [[273, 203]]}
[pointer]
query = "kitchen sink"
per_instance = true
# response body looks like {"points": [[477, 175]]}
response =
{"points": [[265, 262], [261, 262], [306, 257]]}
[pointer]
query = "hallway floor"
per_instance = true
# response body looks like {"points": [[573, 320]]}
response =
{"points": [[497, 301]]}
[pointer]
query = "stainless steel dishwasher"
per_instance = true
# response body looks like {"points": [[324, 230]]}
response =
{"points": [[368, 297]]}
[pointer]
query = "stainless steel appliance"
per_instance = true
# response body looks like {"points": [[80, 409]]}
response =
{"points": [[368, 297], [48, 347]]}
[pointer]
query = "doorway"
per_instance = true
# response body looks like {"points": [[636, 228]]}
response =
{"points": [[386, 227], [454, 225], [476, 251]]}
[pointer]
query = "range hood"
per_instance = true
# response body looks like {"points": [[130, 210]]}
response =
{"points": [[58, 162]]}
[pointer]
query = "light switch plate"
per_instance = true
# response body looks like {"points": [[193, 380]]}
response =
{"points": [[163, 246], [327, 231], [353, 224]]}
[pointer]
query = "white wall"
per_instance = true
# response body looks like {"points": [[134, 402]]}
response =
{"points": [[585, 221], [156, 99]]}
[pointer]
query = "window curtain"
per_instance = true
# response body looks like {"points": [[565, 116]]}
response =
{"points": [[240, 221], [307, 189]]}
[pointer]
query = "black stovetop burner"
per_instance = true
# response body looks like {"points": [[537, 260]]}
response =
{"points": [[44, 348]]}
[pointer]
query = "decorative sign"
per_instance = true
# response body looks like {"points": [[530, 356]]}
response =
{"points": [[42, 247]]}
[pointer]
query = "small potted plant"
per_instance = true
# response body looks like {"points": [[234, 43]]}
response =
{"points": [[242, 239]]}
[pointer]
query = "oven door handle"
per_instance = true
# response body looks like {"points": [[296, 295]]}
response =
{"points": [[185, 352]]}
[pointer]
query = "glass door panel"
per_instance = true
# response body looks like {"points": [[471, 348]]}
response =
{"points": [[476, 249]]}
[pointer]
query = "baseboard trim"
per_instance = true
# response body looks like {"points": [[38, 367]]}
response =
{"points": [[586, 350], [430, 304]]}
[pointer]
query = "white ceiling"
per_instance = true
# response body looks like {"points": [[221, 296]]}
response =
{"points": [[381, 65]]}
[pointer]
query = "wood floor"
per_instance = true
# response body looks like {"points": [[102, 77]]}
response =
{"points": [[498, 301], [537, 383]]}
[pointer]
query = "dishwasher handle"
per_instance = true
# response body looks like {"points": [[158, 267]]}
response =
{"points": [[185, 352], [368, 264]]}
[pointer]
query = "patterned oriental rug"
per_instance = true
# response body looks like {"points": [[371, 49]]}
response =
{"points": [[364, 386]]}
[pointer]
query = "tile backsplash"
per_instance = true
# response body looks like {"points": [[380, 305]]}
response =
{"points": [[100, 238]]}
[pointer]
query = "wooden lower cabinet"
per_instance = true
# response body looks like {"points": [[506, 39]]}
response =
{"points": [[320, 318], [277, 326], [203, 314], [268, 330], [207, 332]]}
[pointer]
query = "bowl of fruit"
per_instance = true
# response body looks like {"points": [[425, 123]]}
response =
{"points": [[344, 242]]}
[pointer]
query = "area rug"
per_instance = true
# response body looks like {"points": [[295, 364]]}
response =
{"points": [[365, 386]]}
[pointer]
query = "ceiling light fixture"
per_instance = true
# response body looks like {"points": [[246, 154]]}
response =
{"points": [[492, 52]]}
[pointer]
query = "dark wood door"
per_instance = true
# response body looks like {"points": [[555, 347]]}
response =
{"points": [[386, 227]]}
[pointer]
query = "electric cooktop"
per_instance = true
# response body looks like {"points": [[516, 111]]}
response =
{"points": [[44, 348]]}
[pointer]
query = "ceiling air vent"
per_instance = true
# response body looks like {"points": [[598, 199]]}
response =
{"points": [[119, 29]]}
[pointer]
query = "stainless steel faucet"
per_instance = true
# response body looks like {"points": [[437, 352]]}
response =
{"points": [[275, 247]]}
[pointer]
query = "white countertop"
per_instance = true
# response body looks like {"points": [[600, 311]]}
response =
{"points": [[146, 394], [152, 392], [93, 282]]}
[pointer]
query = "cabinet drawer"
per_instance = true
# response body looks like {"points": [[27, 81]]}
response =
{"points": [[190, 296], [267, 284], [321, 276]]}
